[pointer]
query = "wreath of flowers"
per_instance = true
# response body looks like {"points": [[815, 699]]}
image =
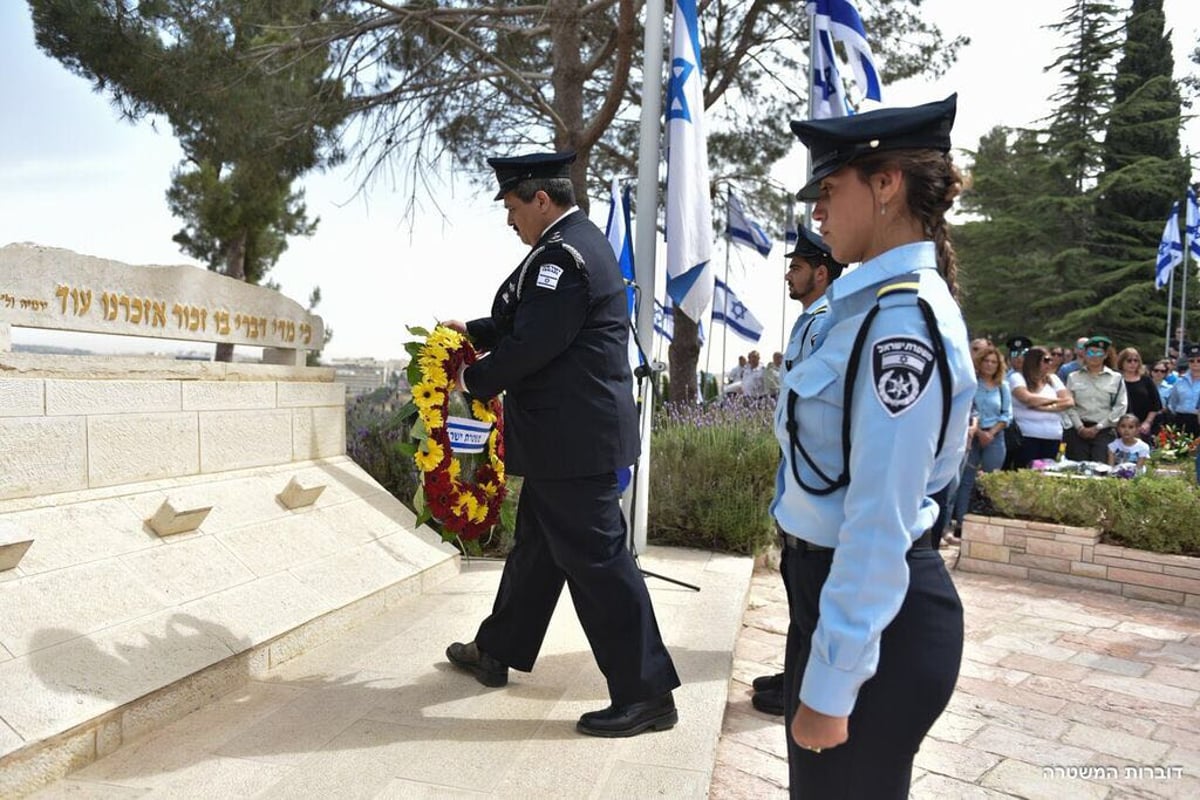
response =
{"points": [[467, 506]]}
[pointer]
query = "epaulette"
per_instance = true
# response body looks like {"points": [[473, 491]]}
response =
{"points": [[901, 291]]}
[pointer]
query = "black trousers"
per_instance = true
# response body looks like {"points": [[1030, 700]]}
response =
{"points": [[571, 531], [919, 657], [1080, 449]]}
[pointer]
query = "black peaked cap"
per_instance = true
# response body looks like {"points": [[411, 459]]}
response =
{"points": [[512, 170], [833, 143]]}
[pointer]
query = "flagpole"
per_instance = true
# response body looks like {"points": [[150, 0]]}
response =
{"points": [[649, 158], [725, 310], [1183, 280], [1170, 304]]}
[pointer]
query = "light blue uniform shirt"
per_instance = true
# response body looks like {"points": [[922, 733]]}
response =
{"points": [[1185, 395], [896, 417], [800, 344]]}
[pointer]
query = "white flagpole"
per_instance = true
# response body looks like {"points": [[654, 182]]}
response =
{"points": [[1170, 303], [649, 159], [1183, 280]]}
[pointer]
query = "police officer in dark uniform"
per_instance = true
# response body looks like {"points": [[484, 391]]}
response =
{"points": [[877, 431], [557, 347]]}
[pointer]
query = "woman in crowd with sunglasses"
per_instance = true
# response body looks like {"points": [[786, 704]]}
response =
{"points": [[1185, 394], [1142, 394], [1100, 401], [1163, 375], [1039, 399]]}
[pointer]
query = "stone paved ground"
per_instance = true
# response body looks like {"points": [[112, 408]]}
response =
{"points": [[1060, 690]]}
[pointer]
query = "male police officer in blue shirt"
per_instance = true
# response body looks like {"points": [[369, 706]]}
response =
{"points": [[811, 268], [558, 341]]}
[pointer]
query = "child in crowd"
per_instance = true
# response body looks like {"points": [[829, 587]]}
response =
{"points": [[1127, 448]]}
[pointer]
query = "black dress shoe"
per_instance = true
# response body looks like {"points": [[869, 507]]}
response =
{"points": [[767, 683], [629, 720], [470, 658], [769, 702]]}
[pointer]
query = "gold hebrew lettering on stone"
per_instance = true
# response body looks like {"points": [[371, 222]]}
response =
{"points": [[221, 320], [168, 522], [296, 496], [110, 303], [136, 311], [306, 333], [61, 292], [159, 311]]}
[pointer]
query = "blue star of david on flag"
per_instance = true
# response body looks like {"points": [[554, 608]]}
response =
{"points": [[727, 308], [677, 104]]}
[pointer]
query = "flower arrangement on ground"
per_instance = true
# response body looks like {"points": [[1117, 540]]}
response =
{"points": [[459, 446], [1172, 443]]}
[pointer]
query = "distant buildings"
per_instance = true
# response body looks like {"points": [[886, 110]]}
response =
{"points": [[363, 375]]}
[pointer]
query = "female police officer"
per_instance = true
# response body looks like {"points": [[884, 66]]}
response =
{"points": [[873, 426]]}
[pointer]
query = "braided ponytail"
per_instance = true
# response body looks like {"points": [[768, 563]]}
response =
{"points": [[933, 182]]}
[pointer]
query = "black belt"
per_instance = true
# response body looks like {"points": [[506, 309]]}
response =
{"points": [[803, 546]]}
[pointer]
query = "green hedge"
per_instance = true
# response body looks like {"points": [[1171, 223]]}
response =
{"points": [[1158, 512], [713, 476]]}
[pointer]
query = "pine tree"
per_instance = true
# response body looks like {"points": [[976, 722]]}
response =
{"points": [[1142, 174]]}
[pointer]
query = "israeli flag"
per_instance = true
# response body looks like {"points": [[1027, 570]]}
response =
{"points": [[620, 238], [838, 20], [1192, 226], [467, 435], [664, 324], [689, 212], [744, 231], [664, 321], [733, 312], [1170, 250]]}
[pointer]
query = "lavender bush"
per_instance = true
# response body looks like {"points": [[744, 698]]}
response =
{"points": [[713, 475]]}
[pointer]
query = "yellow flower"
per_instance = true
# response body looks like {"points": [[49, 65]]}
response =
{"points": [[432, 417], [435, 375], [482, 412], [489, 488], [427, 395], [445, 337], [429, 455], [454, 469], [467, 506]]}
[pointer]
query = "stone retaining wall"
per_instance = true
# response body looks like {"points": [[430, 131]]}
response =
{"points": [[1072, 556]]}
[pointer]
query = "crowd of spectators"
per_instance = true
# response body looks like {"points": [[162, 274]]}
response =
{"points": [[1084, 402]]}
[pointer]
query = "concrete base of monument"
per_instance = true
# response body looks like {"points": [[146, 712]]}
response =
{"points": [[111, 630]]}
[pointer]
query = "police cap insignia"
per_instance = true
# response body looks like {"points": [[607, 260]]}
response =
{"points": [[511, 170], [901, 367], [832, 143], [1017, 345]]}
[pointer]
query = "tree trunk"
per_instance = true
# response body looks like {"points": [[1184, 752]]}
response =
{"points": [[235, 267], [683, 354], [567, 76]]}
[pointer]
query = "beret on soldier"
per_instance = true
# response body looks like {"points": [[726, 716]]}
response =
{"points": [[511, 170], [832, 143]]}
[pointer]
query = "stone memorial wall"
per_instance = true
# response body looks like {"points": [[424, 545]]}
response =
{"points": [[169, 529]]}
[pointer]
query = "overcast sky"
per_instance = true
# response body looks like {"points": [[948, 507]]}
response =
{"points": [[73, 175]]}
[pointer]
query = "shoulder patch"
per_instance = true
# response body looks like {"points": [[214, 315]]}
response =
{"points": [[901, 368], [548, 275]]}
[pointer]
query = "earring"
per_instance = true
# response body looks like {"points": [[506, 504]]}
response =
{"points": [[883, 210]]}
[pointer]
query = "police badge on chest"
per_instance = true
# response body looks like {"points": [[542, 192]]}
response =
{"points": [[901, 367]]}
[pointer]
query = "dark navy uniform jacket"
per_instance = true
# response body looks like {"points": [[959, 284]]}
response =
{"points": [[558, 342]]}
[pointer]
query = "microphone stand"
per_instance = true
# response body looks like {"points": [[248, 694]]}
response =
{"points": [[646, 369]]}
